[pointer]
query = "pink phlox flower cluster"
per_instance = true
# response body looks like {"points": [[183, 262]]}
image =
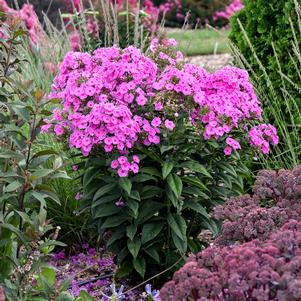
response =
{"points": [[230, 10], [101, 94], [118, 99], [262, 136]]}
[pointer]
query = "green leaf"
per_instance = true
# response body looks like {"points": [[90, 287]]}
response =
{"points": [[125, 269], [147, 210], [16, 231], [40, 197], [41, 173], [177, 224], [140, 265], [103, 190], [89, 176], [228, 168], [135, 195], [104, 200], [211, 225], [12, 186], [24, 216], [153, 253], [175, 184], [166, 169], [149, 192], [150, 231], [197, 167], [125, 184], [151, 171], [165, 148], [116, 236], [84, 296], [113, 221], [131, 231], [194, 205], [140, 178], [44, 153], [192, 190], [134, 246], [105, 210], [57, 163], [134, 206], [195, 181], [171, 196], [181, 244], [10, 154], [49, 275]]}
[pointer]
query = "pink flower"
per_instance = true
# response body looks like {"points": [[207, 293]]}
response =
{"points": [[122, 173], [169, 124], [156, 122], [75, 167], [136, 159], [158, 106], [114, 164], [233, 143], [78, 196], [59, 130], [227, 150], [135, 168]]}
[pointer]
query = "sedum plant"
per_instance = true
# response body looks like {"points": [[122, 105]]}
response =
{"points": [[161, 143], [256, 255], [258, 270], [24, 179]]}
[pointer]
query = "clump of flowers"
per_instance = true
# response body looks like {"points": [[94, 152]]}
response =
{"points": [[121, 100], [92, 271], [99, 263], [229, 11], [252, 271], [29, 17], [274, 202]]}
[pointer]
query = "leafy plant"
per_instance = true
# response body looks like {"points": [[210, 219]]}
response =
{"points": [[158, 153], [266, 41], [24, 185], [153, 218]]}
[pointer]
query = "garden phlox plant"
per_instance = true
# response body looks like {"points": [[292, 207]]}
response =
{"points": [[121, 100]]}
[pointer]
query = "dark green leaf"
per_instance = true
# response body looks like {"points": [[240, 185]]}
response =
{"points": [[103, 190], [134, 246], [113, 221], [166, 169], [181, 244], [147, 210], [105, 210], [134, 206], [131, 231], [194, 205], [153, 253], [175, 184], [140, 265], [197, 167], [13, 186], [150, 231], [177, 224], [126, 184]]}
